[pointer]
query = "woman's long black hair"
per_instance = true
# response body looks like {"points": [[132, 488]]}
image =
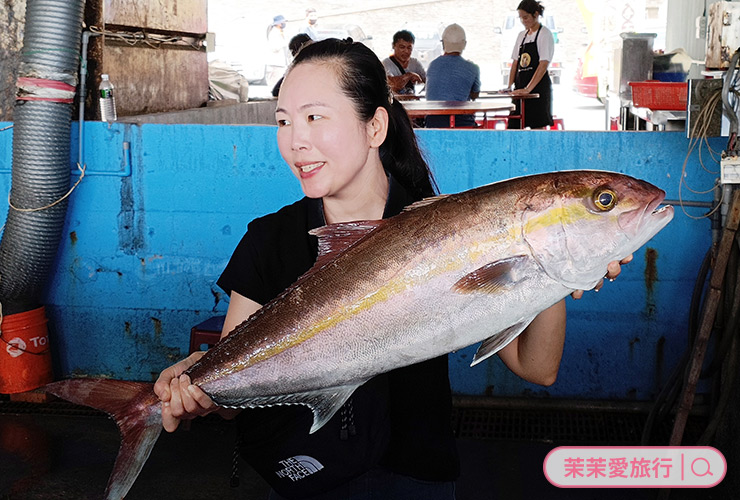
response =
{"points": [[363, 79]]}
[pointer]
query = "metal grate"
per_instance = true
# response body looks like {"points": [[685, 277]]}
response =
{"points": [[545, 425], [51, 408], [563, 426]]}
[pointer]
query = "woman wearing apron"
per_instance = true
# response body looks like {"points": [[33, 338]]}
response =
{"points": [[529, 69]]}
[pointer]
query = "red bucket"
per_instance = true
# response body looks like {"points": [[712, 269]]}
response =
{"points": [[25, 359]]}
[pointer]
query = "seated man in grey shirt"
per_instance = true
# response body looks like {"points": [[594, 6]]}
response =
{"points": [[403, 70]]}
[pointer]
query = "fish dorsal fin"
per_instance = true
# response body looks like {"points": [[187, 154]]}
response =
{"points": [[494, 277], [496, 342], [324, 403], [424, 202], [335, 238]]}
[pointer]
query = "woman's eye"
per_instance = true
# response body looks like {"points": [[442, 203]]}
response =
{"points": [[313, 118], [605, 199], [282, 122]]}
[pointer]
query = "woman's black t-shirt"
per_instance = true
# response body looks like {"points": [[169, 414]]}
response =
{"points": [[399, 420]]}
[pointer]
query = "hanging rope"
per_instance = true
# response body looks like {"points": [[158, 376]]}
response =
{"points": [[82, 174]]}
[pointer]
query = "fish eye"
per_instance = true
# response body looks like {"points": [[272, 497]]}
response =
{"points": [[605, 199]]}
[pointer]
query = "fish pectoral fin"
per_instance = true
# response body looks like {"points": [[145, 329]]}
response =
{"points": [[494, 277], [496, 342]]}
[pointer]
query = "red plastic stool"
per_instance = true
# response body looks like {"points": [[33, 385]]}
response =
{"points": [[557, 124], [492, 121], [206, 333]]}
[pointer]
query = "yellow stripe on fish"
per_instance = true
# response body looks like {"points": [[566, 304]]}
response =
{"points": [[365, 303], [561, 216]]}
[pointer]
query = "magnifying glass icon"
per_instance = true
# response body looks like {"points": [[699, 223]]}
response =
{"points": [[707, 472]]}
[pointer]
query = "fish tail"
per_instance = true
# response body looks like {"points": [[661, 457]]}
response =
{"points": [[137, 412]]}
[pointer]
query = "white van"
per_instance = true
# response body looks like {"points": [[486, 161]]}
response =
{"points": [[509, 30]]}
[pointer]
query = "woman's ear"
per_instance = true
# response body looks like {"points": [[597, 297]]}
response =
{"points": [[377, 127]]}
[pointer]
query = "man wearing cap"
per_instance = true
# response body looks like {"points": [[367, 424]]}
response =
{"points": [[278, 45], [452, 78]]}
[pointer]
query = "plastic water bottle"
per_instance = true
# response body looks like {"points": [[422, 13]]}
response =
{"points": [[107, 100]]}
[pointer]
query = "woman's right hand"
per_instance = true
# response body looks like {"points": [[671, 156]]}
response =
{"points": [[181, 400]]}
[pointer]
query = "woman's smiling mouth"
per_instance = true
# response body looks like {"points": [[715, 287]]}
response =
{"points": [[309, 167]]}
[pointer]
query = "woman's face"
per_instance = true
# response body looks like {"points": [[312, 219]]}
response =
{"points": [[528, 20], [328, 148]]}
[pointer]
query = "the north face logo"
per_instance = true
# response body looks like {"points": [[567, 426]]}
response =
{"points": [[298, 467]]}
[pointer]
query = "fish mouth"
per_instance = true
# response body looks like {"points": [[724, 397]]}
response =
{"points": [[656, 211], [652, 206], [649, 219], [646, 222], [662, 211]]}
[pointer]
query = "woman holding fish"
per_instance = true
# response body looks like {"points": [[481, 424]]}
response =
{"points": [[351, 146]]}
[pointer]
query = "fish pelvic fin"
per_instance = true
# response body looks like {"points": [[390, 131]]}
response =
{"points": [[494, 277], [137, 413], [496, 342]]}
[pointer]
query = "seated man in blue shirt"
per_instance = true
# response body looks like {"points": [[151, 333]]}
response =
{"points": [[452, 78]]}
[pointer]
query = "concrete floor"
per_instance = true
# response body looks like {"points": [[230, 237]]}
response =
{"points": [[47, 455]]}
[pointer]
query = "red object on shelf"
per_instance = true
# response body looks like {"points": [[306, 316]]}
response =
{"points": [[655, 94]]}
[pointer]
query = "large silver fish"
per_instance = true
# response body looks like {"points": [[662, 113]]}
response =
{"points": [[444, 274]]}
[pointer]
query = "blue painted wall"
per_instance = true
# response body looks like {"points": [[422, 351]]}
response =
{"points": [[150, 228]]}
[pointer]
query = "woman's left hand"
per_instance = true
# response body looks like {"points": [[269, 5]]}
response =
{"points": [[612, 271], [523, 91]]}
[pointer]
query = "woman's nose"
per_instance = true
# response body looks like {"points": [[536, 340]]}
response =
{"points": [[299, 138]]}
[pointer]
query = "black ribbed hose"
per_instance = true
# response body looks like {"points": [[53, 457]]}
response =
{"points": [[41, 152]]}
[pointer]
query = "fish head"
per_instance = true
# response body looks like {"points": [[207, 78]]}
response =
{"points": [[576, 222]]}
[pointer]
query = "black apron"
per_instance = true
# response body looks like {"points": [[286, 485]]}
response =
{"points": [[537, 112]]}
